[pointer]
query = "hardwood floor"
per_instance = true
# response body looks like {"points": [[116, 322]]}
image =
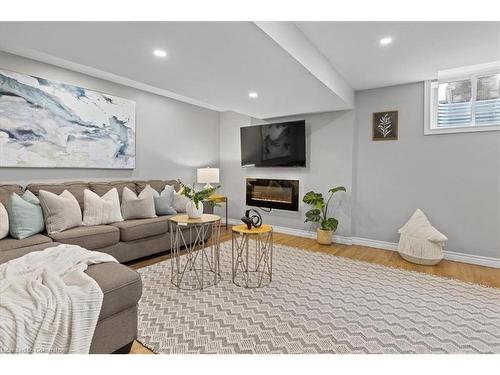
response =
{"points": [[460, 271]]}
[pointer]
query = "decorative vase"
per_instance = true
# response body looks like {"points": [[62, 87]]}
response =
{"points": [[192, 211], [324, 237]]}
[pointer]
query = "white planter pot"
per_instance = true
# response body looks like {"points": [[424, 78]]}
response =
{"points": [[192, 211]]}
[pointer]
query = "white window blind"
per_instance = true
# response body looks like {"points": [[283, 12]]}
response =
{"points": [[487, 104], [454, 104]]}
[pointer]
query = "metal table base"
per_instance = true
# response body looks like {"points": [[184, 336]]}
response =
{"points": [[252, 259], [197, 266]]}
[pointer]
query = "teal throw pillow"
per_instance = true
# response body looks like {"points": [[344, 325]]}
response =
{"points": [[164, 201], [25, 215]]}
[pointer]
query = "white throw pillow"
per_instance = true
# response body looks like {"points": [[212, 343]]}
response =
{"points": [[4, 222], [419, 226], [180, 202], [101, 210], [61, 212], [148, 191], [137, 207]]}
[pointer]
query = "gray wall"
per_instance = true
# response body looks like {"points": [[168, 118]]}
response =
{"points": [[329, 163], [453, 178], [173, 138]]}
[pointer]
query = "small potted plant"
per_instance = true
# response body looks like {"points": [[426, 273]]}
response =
{"points": [[319, 214], [194, 208]]}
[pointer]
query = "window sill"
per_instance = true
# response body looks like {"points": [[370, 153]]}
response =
{"points": [[467, 129]]}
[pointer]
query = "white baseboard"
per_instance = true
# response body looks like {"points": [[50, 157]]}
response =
{"points": [[393, 246]]}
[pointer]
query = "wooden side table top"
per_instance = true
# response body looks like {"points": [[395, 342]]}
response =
{"points": [[217, 198], [242, 228], [204, 219]]}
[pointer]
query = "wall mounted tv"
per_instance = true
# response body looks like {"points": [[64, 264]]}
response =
{"points": [[274, 145]]}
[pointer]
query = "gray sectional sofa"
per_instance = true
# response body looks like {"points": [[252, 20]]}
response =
{"points": [[126, 241]]}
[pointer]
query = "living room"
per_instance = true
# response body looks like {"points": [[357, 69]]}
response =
{"points": [[194, 186]]}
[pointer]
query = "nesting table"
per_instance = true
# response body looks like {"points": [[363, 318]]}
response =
{"points": [[252, 256], [200, 267]]}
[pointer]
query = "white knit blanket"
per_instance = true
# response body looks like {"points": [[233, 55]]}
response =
{"points": [[48, 304]]}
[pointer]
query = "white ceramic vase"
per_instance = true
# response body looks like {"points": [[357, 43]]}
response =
{"points": [[192, 211]]}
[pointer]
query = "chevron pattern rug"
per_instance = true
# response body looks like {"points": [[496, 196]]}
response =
{"points": [[319, 303]]}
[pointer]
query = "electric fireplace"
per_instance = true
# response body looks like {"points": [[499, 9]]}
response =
{"points": [[271, 193]]}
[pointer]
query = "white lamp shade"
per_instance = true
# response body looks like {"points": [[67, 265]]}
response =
{"points": [[208, 175]]}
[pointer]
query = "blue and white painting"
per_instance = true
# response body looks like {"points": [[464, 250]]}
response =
{"points": [[54, 125]]}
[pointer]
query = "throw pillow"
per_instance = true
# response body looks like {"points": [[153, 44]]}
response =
{"points": [[25, 215], [61, 211], [180, 202], [4, 222], [137, 207], [101, 210], [164, 201]]}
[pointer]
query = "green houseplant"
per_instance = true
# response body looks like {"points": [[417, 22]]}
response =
{"points": [[319, 214], [194, 208]]}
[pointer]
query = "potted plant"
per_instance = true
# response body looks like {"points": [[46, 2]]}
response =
{"points": [[194, 208], [319, 214]]}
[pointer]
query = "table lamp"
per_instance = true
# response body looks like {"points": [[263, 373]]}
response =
{"points": [[208, 175]]}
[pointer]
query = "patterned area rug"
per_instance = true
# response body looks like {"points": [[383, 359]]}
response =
{"points": [[319, 303]]}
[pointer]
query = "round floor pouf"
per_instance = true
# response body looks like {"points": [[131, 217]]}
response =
{"points": [[420, 242], [252, 256]]}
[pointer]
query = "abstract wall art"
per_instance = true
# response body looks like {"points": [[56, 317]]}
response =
{"points": [[47, 124]]}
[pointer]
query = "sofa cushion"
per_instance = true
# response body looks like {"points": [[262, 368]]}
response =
{"points": [[61, 212], [7, 190], [7, 255], [131, 230], [74, 187], [180, 202], [25, 215], [164, 201], [158, 185], [101, 210], [10, 243], [121, 286], [137, 207], [102, 187], [93, 237], [4, 221]]}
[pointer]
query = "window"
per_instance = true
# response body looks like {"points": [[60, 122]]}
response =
{"points": [[464, 103]]}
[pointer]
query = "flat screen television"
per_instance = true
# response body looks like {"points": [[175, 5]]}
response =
{"points": [[274, 145]]}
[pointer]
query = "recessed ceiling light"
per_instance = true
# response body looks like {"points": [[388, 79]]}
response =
{"points": [[385, 41], [253, 95], [159, 53]]}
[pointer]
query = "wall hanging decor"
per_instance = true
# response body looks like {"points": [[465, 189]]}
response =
{"points": [[385, 126], [48, 124]]}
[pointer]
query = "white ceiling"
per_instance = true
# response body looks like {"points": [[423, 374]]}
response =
{"points": [[296, 68], [418, 51], [217, 63]]}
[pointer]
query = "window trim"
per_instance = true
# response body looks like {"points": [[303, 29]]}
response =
{"points": [[430, 108]]}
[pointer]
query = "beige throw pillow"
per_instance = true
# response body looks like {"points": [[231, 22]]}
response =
{"points": [[61, 212], [137, 207], [101, 210], [4, 222], [180, 202]]}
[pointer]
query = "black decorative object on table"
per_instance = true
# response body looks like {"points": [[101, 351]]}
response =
{"points": [[254, 220]]}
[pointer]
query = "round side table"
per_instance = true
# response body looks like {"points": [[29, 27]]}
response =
{"points": [[252, 256], [199, 267]]}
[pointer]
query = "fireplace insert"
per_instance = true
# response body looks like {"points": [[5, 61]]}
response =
{"points": [[271, 193]]}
